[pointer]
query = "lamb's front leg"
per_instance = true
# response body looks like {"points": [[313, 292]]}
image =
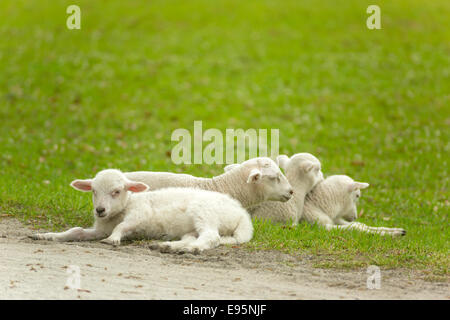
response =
{"points": [[122, 230], [74, 234]]}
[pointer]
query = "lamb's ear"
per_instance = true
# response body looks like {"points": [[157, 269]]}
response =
{"points": [[357, 185], [230, 167], [82, 185], [308, 165], [282, 161], [362, 185], [134, 186], [254, 176]]}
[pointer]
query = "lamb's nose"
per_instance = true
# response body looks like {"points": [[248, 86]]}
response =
{"points": [[100, 210], [291, 192]]}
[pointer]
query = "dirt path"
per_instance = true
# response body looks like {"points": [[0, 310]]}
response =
{"points": [[38, 270]]}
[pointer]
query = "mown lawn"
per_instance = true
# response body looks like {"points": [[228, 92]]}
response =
{"points": [[373, 104]]}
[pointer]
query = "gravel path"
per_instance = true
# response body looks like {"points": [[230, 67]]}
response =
{"points": [[39, 270]]}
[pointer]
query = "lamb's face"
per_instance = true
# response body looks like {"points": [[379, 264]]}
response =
{"points": [[267, 178], [354, 193], [109, 191], [275, 186], [302, 166], [347, 192], [349, 211]]}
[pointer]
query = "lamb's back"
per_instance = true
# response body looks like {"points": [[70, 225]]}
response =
{"points": [[160, 180], [327, 196]]}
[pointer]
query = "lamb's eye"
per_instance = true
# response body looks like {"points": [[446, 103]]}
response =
{"points": [[116, 193]]}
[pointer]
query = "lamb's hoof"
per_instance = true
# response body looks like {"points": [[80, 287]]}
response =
{"points": [[41, 236], [113, 242], [195, 251], [154, 246], [165, 249], [398, 233]]}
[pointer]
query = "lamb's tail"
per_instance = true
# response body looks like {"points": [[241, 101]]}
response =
{"points": [[243, 232]]}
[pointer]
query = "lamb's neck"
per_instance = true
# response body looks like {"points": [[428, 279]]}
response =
{"points": [[234, 183], [107, 225], [301, 188]]}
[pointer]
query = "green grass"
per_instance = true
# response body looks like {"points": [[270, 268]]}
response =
{"points": [[370, 104]]}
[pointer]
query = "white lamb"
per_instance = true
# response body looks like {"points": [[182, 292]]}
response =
{"points": [[256, 180], [303, 171], [332, 204], [202, 219]]}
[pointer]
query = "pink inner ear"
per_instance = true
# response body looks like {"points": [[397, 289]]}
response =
{"points": [[351, 187], [254, 177], [84, 185], [137, 187]]}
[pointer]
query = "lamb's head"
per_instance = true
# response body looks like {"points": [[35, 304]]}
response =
{"points": [[347, 192], [109, 191], [266, 177], [303, 168]]}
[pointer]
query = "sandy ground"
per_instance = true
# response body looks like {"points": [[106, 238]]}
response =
{"points": [[39, 270]]}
